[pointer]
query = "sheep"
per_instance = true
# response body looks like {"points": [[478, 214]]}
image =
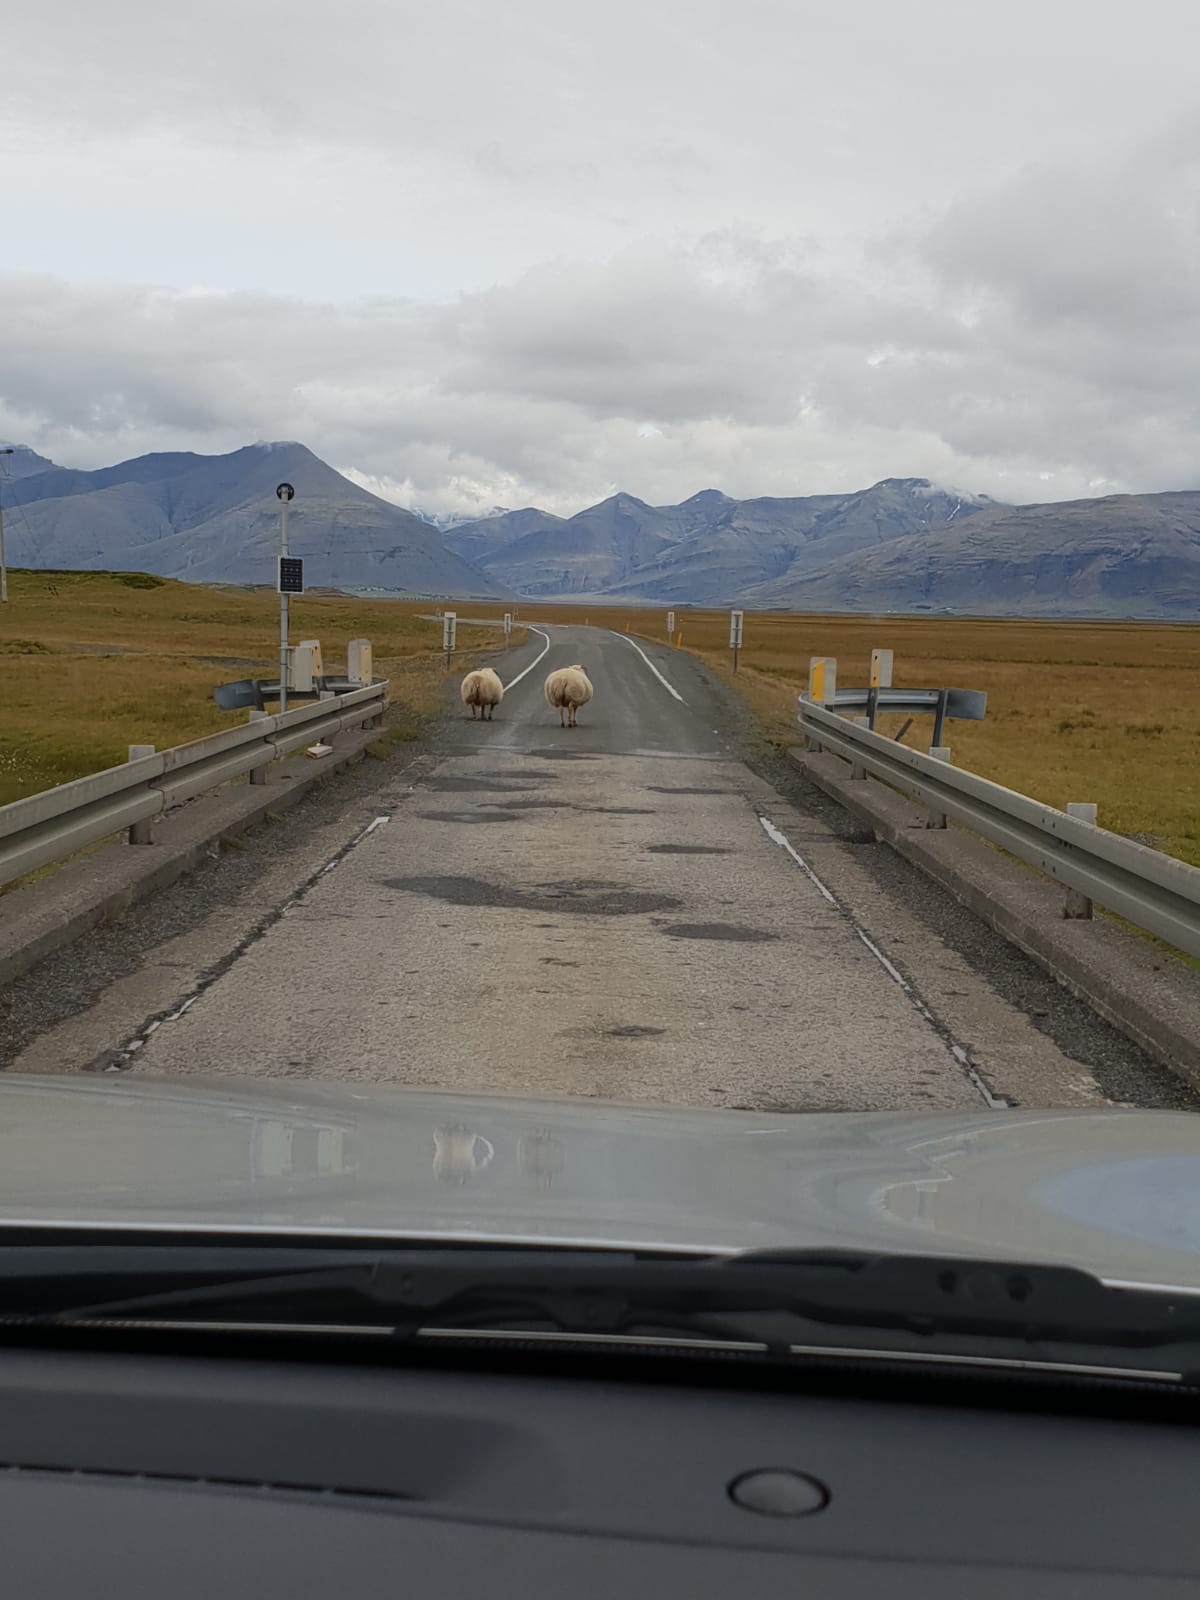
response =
{"points": [[568, 688], [482, 688]]}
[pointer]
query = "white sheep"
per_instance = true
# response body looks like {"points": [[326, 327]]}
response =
{"points": [[568, 688], [483, 689]]}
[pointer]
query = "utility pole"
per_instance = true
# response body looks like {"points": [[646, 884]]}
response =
{"points": [[285, 492], [7, 450]]}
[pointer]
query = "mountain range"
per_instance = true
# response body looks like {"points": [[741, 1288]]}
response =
{"points": [[215, 519], [904, 544], [708, 551]]}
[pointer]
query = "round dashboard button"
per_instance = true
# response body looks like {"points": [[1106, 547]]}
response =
{"points": [[779, 1492]]}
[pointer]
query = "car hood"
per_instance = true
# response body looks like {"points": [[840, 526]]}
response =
{"points": [[1116, 1191]]}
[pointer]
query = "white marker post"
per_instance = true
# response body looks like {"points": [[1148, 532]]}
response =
{"points": [[449, 630], [881, 678], [284, 493], [735, 635], [670, 626], [507, 629]]}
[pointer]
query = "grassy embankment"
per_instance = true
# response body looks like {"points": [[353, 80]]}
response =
{"points": [[92, 662], [1098, 711]]}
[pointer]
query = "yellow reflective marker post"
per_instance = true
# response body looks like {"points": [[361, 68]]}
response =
{"points": [[822, 679]]}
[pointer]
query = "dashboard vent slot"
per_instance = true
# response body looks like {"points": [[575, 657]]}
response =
{"points": [[327, 1493]]}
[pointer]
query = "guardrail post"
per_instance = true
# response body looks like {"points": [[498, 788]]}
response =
{"points": [[939, 722], [939, 752], [857, 770], [258, 774], [141, 832], [1078, 907]]}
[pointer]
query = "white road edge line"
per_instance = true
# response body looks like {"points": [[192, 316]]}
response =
{"points": [[668, 687], [532, 664], [993, 1101]]}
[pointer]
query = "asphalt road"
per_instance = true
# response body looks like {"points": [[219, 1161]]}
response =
{"points": [[622, 910]]}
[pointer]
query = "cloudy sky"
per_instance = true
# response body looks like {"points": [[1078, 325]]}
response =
{"points": [[480, 253]]}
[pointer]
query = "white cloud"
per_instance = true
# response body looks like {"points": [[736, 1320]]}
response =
{"points": [[483, 255]]}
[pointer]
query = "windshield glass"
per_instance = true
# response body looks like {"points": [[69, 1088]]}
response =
{"points": [[600, 627]]}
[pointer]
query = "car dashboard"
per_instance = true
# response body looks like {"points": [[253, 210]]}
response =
{"points": [[145, 1474]]}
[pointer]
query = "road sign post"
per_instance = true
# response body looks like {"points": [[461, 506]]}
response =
{"points": [[284, 493], [449, 630], [735, 635], [670, 626]]}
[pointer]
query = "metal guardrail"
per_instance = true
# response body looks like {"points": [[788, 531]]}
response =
{"points": [[48, 826], [1151, 890]]}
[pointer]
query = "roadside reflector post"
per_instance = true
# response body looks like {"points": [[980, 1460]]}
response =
{"points": [[360, 662], [507, 629], [449, 632], [880, 678], [670, 625], [1078, 907], [140, 832], [305, 666], [822, 680], [735, 635], [939, 752]]}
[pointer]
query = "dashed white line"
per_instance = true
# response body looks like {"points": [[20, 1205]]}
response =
{"points": [[532, 664], [668, 687], [995, 1102]]}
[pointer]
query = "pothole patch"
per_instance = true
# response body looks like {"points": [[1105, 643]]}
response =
{"points": [[578, 897], [687, 850]]}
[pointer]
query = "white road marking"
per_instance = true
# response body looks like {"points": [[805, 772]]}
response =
{"points": [[668, 687], [995, 1102], [532, 664]]}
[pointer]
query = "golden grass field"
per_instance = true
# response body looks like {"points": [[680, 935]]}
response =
{"points": [[1098, 711], [1108, 712], [90, 664]]}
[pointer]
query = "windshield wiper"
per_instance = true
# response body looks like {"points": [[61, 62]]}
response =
{"points": [[767, 1298]]}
